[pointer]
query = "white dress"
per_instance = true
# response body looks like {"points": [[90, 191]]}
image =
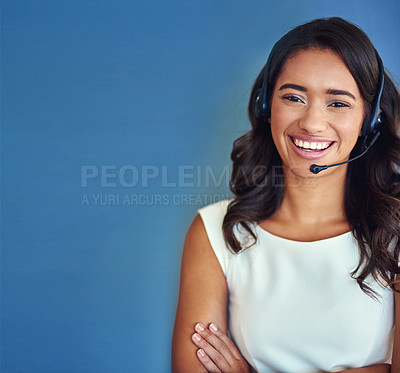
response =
{"points": [[293, 306]]}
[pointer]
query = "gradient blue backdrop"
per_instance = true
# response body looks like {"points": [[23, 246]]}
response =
{"points": [[150, 96]]}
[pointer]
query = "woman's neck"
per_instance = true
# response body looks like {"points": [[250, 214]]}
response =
{"points": [[312, 208]]}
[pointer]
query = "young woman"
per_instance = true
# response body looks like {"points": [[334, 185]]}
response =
{"points": [[297, 273]]}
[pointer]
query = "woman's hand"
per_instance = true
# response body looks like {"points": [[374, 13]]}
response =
{"points": [[217, 352]]}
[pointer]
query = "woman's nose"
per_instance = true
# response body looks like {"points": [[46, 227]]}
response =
{"points": [[313, 120]]}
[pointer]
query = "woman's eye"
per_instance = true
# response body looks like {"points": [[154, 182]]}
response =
{"points": [[293, 98], [338, 104]]}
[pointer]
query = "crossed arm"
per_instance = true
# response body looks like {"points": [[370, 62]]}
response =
{"points": [[203, 299]]}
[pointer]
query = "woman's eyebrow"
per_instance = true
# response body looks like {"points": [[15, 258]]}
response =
{"points": [[293, 86], [341, 93]]}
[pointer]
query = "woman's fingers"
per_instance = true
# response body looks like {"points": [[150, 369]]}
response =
{"points": [[213, 347], [207, 362], [216, 351], [220, 334], [214, 339]]}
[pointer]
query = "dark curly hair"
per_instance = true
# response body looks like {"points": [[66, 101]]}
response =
{"points": [[372, 193]]}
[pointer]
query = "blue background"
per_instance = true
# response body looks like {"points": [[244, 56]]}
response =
{"points": [[150, 95]]}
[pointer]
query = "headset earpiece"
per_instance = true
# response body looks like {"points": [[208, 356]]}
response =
{"points": [[371, 127], [261, 97], [257, 104]]}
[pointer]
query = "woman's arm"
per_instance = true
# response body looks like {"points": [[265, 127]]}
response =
{"points": [[203, 297], [210, 335]]}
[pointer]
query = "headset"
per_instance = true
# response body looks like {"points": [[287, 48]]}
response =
{"points": [[371, 127], [261, 108]]}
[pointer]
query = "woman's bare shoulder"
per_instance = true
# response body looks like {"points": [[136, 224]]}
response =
{"points": [[199, 261]]}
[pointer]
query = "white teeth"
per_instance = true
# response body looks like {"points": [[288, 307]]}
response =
{"points": [[311, 145]]}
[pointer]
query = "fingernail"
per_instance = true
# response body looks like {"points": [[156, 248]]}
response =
{"points": [[197, 337], [201, 353], [213, 328], [199, 327]]}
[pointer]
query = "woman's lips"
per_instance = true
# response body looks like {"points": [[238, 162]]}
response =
{"points": [[310, 148]]}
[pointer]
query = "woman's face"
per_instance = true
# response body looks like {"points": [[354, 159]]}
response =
{"points": [[316, 112]]}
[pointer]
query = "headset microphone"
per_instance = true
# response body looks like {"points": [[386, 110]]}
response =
{"points": [[371, 128], [315, 169]]}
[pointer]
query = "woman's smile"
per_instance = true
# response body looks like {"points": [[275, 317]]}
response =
{"points": [[310, 148], [316, 112]]}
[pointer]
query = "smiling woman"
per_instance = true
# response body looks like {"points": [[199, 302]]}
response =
{"points": [[316, 112], [305, 264]]}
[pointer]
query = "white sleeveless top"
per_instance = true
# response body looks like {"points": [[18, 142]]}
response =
{"points": [[293, 306]]}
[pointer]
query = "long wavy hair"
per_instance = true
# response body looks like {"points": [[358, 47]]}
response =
{"points": [[372, 191]]}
